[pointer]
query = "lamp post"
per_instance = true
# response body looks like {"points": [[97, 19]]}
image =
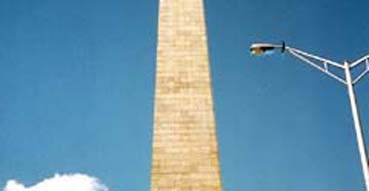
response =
{"points": [[324, 66]]}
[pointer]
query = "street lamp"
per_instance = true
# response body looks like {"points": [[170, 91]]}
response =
{"points": [[324, 66]]}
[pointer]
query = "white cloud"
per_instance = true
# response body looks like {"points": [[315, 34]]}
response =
{"points": [[67, 182]]}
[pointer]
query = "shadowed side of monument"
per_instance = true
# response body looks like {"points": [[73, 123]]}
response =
{"points": [[185, 150]]}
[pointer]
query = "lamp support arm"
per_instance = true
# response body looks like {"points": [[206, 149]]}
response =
{"points": [[363, 60], [360, 60], [317, 62]]}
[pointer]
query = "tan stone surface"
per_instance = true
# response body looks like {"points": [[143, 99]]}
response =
{"points": [[185, 151]]}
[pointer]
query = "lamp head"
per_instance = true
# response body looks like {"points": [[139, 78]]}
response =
{"points": [[265, 48]]}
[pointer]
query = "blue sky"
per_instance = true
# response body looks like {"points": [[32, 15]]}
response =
{"points": [[77, 84]]}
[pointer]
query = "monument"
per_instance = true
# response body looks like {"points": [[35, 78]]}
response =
{"points": [[185, 150]]}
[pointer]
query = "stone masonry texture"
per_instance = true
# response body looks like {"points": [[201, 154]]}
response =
{"points": [[185, 150]]}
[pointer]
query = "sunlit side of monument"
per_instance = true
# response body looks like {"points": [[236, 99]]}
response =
{"points": [[185, 150]]}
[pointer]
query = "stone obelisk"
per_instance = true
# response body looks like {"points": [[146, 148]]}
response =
{"points": [[185, 150]]}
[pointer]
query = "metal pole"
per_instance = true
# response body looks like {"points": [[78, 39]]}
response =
{"points": [[358, 129]]}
